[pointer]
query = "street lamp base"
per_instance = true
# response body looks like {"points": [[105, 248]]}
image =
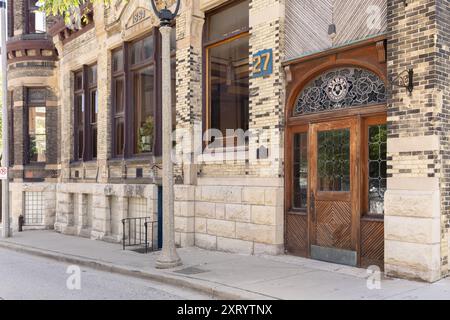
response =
{"points": [[165, 262]]}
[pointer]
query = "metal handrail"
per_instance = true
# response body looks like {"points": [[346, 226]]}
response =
{"points": [[135, 236]]}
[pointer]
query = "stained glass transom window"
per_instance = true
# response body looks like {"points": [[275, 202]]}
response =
{"points": [[377, 168], [341, 88]]}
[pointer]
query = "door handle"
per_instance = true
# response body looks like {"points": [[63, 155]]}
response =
{"points": [[312, 206]]}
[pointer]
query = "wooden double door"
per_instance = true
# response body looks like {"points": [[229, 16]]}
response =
{"points": [[332, 214]]}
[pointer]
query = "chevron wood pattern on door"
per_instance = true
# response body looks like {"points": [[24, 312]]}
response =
{"points": [[297, 234], [333, 227], [372, 243]]}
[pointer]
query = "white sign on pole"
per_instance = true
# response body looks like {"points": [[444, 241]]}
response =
{"points": [[3, 173]]}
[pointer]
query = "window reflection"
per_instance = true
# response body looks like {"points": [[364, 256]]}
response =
{"points": [[143, 98], [229, 83], [228, 67], [333, 160], [300, 171], [377, 168], [37, 134]]}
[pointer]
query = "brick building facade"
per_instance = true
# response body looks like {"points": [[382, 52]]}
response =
{"points": [[329, 155]]}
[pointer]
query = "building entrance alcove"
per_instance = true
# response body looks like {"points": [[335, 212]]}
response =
{"points": [[336, 157]]}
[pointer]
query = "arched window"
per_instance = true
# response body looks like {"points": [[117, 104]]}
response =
{"points": [[341, 88]]}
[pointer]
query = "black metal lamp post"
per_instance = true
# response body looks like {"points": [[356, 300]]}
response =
{"points": [[169, 257], [165, 15]]}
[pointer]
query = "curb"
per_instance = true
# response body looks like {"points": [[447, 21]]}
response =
{"points": [[214, 290]]}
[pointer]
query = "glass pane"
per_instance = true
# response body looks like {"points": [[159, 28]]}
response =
{"points": [[79, 125], [136, 52], [78, 81], [173, 40], [79, 110], [117, 61], [229, 85], [143, 99], [300, 170], [80, 150], [39, 19], [148, 47], [119, 139], [377, 168], [333, 160], [94, 142], [228, 20], [37, 134], [94, 106], [92, 75], [119, 95]]}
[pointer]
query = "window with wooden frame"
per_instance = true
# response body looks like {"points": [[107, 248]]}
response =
{"points": [[118, 98], [10, 19], [300, 171], [37, 129], [227, 67], [36, 21], [143, 98], [85, 113], [374, 155], [136, 95]]}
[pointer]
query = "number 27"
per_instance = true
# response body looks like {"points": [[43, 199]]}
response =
{"points": [[259, 60]]}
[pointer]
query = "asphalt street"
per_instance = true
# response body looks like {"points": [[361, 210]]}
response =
{"points": [[27, 277]]}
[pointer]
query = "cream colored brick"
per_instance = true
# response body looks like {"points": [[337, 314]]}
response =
{"points": [[205, 241], [184, 208], [274, 196], [234, 245], [182, 192], [425, 204], [412, 260], [237, 212], [187, 239], [221, 228], [184, 224], [269, 249], [220, 211], [200, 225], [264, 215], [253, 195], [213, 194], [233, 195], [257, 233], [205, 209]]}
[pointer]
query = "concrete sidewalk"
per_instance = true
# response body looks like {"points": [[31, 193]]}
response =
{"points": [[228, 276]]}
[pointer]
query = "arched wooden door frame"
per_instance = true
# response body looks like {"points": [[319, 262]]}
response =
{"points": [[366, 55]]}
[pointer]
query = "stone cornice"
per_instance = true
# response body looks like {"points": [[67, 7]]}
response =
{"points": [[25, 50]]}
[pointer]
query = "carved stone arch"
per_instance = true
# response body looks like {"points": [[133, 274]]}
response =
{"points": [[340, 87]]}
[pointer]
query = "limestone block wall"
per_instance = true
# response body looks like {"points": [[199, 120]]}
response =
{"points": [[18, 204], [96, 210], [224, 204], [416, 222], [242, 215]]}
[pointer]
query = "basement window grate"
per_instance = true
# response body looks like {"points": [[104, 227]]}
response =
{"points": [[34, 208]]}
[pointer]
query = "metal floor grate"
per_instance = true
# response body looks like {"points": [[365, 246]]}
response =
{"points": [[191, 270]]}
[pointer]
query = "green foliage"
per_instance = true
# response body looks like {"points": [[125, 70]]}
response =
{"points": [[68, 8], [145, 141]]}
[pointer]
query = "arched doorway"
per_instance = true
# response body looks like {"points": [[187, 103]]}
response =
{"points": [[336, 173]]}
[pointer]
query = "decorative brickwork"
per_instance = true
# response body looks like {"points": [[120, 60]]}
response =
{"points": [[417, 138]]}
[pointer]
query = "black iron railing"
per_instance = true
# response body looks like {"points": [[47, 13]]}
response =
{"points": [[140, 232]]}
